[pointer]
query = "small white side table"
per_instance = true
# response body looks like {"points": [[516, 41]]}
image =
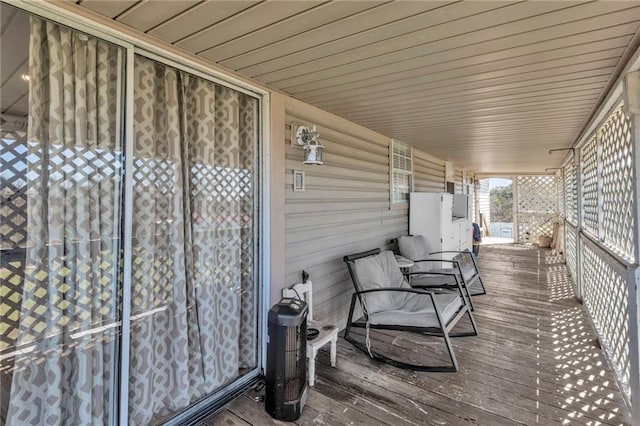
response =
{"points": [[405, 265]]}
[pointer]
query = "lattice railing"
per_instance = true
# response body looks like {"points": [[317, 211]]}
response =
{"points": [[562, 210], [617, 184], [571, 250], [571, 194], [536, 206], [590, 187], [605, 297], [606, 222]]}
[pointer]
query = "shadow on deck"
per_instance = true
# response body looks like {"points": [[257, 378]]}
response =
{"points": [[536, 361]]}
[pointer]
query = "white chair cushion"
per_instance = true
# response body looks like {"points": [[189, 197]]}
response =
{"points": [[380, 271], [418, 311], [415, 248], [432, 280]]}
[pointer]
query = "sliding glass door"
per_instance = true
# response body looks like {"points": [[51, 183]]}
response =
{"points": [[193, 286], [193, 324], [61, 215]]}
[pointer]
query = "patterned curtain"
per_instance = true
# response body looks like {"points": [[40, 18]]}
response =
{"points": [[193, 325], [65, 353]]}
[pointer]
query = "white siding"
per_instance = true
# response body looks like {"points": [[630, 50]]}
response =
{"points": [[483, 198], [459, 187], [428, 172], [344, 209]]}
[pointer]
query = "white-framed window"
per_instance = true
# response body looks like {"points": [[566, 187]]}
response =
{"points": [[401, 172]]}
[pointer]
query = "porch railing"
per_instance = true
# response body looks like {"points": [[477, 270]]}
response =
{"points": [[599, 206]]}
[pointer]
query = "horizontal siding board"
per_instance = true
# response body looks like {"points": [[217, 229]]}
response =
{"points": [[337, 248], [331, 195], [335, 148], [335, 171], [333, 131], [300, 222], [428, 172], [331, 206], [299, 256], [336, 160], [326, 184], [437, 175], [322, 235], [344, 208]]}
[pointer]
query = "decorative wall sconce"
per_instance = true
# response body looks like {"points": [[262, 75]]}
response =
{"points": [[308, 139]]}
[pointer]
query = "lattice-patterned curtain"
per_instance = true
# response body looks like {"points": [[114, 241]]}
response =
{"points": [[193, 325], [64, 358]]}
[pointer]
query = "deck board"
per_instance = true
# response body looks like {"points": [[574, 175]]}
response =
{"points": [[535, 361]]}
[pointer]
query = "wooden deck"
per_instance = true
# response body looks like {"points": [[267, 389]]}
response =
{"points": [[536, 361]]}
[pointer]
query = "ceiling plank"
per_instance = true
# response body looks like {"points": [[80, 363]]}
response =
{"points": [[339, 37], [245, 22], [472, 65], [110, 8], [197, 18], [288, 28], [477, 54], [149, 14], [489, 85], [523, 73], [461, 98]]}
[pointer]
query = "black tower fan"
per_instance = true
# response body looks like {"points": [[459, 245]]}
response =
{"points": [[286, 376]]}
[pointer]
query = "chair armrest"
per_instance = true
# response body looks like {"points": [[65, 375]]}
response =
{"points": [[444, 274], [453, 262], [450, 251], [457, 284], [400, 289]]}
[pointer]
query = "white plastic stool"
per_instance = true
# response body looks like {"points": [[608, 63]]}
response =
{"points": [[328, 332]]}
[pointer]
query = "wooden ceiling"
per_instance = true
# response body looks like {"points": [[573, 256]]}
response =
{"points": [[491, 86]]}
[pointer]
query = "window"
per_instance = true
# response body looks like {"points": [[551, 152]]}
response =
{"points": [[401, 172]]}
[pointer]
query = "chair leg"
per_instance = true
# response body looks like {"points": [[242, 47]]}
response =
{"points": [[473, 323], [445, 333], [475, 265], [347, 330], [334, 342], [452, 355], [468, 296], [311, 365], [484, 291], [467, 333]]}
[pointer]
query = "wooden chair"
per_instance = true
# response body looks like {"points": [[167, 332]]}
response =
{"points": [[328, 333], [388, 302]]}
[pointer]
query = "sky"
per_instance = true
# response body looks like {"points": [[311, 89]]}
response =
{"points": [[495, 182]]}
